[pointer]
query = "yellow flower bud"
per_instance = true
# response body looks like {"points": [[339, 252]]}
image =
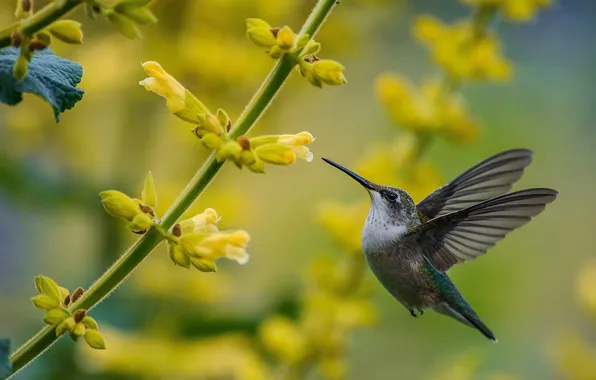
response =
{"points": [[307, 71], [177, 255], [256, 23], [55, 316], [125, 25], [248, 157], [302, 42], [89, 322], [140, 223], [78, 329], [212, 125], [62, 327], [138, 13], [149, 196], [48, 287], [261, 36], [95, 340], [119, 205], [330, 72], [179, 100], [21, 67], [203, 265], [258, 166], [229, 150], [263, 140], [276, 154], [68, 31], [275, 52], [45, 302], [204, 222], [224, 119], [285, 38], [212, 141]]}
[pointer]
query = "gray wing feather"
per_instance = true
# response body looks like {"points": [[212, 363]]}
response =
{"points": [[490, 178], [469, 233]]}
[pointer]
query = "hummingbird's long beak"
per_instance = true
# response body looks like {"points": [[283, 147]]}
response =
{"points": [[364, 182]]}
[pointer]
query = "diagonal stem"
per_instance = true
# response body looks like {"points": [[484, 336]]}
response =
{"points": [[141, 249]]}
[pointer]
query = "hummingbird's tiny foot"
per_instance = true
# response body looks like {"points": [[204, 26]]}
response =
{"points": [[413, 312]]}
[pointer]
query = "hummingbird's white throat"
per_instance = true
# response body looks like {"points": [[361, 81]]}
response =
{"points": [[381, 227]]}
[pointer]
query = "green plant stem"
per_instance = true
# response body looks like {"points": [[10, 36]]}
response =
{"points": [[39, 20], [138, 251]]}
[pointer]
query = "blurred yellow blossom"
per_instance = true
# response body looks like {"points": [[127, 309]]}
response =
{"points": [[216, 245], [163, 357], [586, 286], [575, 357], [517, 10], [344, 222], [427, 109], [461, 51], [179, 100], [282, 338]]}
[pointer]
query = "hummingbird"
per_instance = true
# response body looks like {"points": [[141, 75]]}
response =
{"points": [[410, 247]]}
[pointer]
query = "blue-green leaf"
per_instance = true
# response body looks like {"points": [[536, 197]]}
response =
{"points": [[5, 365], [51, 77]]}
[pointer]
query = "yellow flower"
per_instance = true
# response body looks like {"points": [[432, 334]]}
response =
{"points": [[461, 52], [329, 72], [231, 245], [283, 338], [276, 154], [586, 286], [204, 222], [179, 100], [517, 10], [345, 222]]}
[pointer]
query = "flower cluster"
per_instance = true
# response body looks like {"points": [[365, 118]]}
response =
{"points": [[516, 10], [56, 300], [462, 51], [280, 41], [431, 108], [139, 213], [213, 129], [198, 242]]}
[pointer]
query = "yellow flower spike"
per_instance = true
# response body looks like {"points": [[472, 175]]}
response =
{"points": [[282, 338], [203, 265], [203, 222], [148, 195], [177, 255], [68, 31], [256, 23], [95, 340], [329, 72], [179, 100], [285, 38], [119, 205], [276, 154]]}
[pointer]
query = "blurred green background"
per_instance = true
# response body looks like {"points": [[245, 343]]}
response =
{"points": [[52, 223]]}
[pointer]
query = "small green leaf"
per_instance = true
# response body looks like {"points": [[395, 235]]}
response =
{"points": [[50, 77], [5, 364]]}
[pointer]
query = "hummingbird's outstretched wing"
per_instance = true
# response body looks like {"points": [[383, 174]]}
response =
{"points": [[469, 233], [490, 178]]}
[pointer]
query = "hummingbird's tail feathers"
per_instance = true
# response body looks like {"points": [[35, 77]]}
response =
{"points": [[469, 233], [490, 178], [467, 316]]}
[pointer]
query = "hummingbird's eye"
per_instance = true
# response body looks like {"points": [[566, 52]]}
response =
{"points": [[390, 195]]}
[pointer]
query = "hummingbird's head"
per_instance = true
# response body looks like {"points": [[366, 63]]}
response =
{"points": [[389, 206]]}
